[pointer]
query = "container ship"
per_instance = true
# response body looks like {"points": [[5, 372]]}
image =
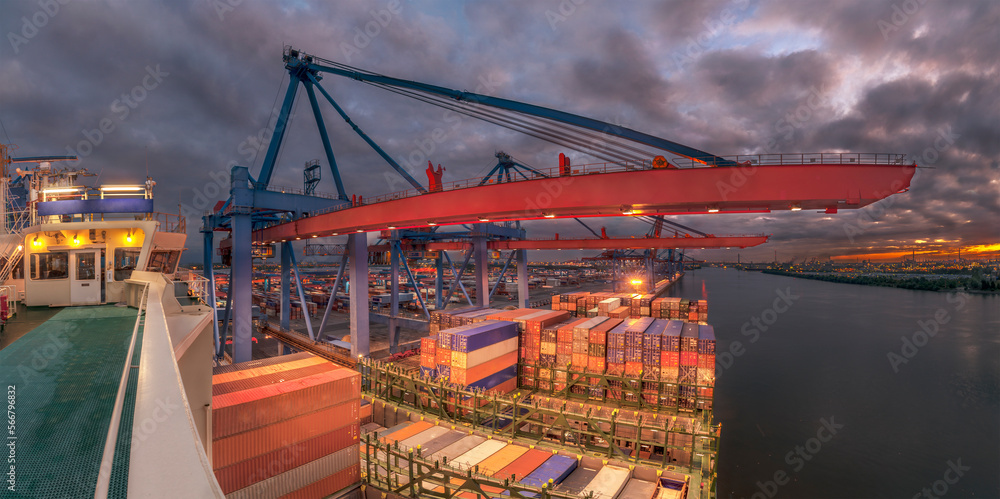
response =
{"points": [[113, 389]]}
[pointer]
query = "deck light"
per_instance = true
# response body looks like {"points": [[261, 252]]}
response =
{"points": [[713, 210], [61, 190], [549, 215], [796, 207]]}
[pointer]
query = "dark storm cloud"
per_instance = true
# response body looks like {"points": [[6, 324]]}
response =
{"points": [[726, 76]]}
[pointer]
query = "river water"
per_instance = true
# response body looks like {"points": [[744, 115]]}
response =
{"points": [[812, 404]]}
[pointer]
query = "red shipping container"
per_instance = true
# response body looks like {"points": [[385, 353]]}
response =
{"points": [[580, 361], [706, 361], [689, 358], [241, 411], [246, 445], [633, 368], [329, 485], [670, 359], [244, 473]]}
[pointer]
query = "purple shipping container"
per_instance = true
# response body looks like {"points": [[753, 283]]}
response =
{"points": [[616, 337], [634, 332], [555, 468], [671, 341], [651, 342], [689, 338], [482, 334], [616, 355], [706, 339]]}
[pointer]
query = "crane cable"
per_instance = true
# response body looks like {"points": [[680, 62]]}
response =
{"points": [[551, 128]]}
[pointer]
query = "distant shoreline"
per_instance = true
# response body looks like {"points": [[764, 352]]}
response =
{"points": [[913, 283]]}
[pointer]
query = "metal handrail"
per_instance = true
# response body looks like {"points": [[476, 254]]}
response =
{"points": [[742, 160], [170, 222], [198, 285]]}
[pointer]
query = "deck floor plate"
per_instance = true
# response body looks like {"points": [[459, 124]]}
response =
{"points": [[66, 372], [118, 486]]}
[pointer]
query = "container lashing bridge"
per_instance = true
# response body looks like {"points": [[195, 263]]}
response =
{"points": [[635, 178]]}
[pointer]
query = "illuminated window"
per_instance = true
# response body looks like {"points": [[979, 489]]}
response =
{"points": [[53, 265], [125, 262], [85, 267]]}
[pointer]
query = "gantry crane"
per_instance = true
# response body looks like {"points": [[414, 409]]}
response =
{"points": [[632, 180]]}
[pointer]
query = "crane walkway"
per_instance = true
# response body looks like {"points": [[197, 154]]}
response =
{"points": [[62, 379]]}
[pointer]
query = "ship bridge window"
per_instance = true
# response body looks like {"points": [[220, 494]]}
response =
{"points": [[125, 261], [163, 261], [54, 265]]}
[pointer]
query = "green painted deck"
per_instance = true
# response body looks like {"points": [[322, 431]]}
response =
{"points": [[65, 374]]}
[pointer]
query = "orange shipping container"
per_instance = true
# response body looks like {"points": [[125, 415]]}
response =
{"points": [[248, 409], [329, 485], [268, 379], [407, 432], [500, 459], [302, 476], [524, 465], [268, 369], [243, 446], [253, 364], [246, 473], [464, 376]]}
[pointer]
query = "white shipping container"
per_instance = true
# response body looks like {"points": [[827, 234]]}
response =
{"points": [[423, 437], [485, 354], [608, 483], [639, 489], [479, 453], [458, 448], [610, 303]]}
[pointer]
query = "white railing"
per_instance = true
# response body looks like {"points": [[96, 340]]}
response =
{"points": [[14, 223], [198, 285]]}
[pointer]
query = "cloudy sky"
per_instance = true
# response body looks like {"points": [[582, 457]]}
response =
{"points": [[187, 89]]}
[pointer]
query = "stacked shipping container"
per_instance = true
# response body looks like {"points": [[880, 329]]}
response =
{"points": [[625, 305], [285, 427], [666, 362]]}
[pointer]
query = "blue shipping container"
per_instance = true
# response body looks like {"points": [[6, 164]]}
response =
{"points": [[482, 334], [555, 468]]}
